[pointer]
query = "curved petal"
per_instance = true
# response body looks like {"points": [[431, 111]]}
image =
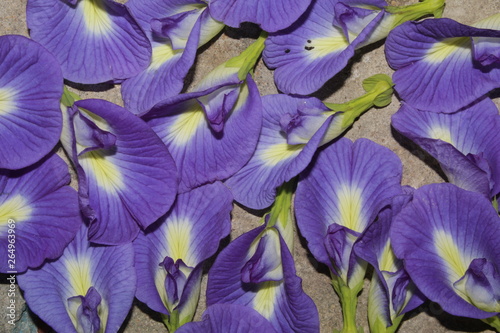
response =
{"points": [[94, 41], [127, 186], [83, 267], [364, 178], [464, 143], [312, 50], [434, 66], [201, 154], [438, 235], [271, 16], [283, 302], [275, 161], [186, 26], [39, 214], [31, 86], [190, 232], [229, 318]]}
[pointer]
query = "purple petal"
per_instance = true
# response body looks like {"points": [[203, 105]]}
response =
{"points": [[275, 161], [96, 41], [229, 318], [310, 52], [87, 310], [39, 214], [82, 267], [464, 143], [190, 233], [271, 16], [31, 86], [127, 186], [202, 155], [283, 302], [351, 195], [434, 67], [438, 235]]}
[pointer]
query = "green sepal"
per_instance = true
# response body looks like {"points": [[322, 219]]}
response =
{"points": [[379, 326], [416, 11], [378, 93], [68, 97], [495, 203], [493, 322], [248, 58], [349, 301]]}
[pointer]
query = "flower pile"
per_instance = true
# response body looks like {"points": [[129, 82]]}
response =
{"points": [[157, 178]]}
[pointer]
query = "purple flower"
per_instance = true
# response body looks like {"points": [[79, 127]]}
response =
{"points": [[31, 85], [465, 143], [127, 178], [169, 254], [93, 40], [448, 239], [88, 289], [437, 65]]}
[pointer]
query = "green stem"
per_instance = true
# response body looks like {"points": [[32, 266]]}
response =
{"points": [[349, 302], [493, 322], [171, 322], [281, 215]]}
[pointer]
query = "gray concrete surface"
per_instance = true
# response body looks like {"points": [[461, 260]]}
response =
{"points": [[374, 125]]}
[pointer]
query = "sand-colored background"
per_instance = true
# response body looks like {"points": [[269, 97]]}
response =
{"points": [[374, 125]]}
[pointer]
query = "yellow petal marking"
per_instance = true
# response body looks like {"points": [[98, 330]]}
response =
{"points": [[265, 298], [350, 203], [161, 54], [448, 47], [15, 208], [106, 174], [452, 257], [441, 133], [321, 47], [96, 17], [274, 154], [185, 126], [178, 240], [7, 101], [387, 260]]}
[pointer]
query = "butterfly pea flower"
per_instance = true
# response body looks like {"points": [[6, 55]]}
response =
{"points": [[229, 318], [465, 143], [212, 132], [392, 294], [176, 29], [39, 214], [437, 65], [127, 178], [31, 85], [169, 255], [338, 196], [292, 130], [448, 240], [319, 45], [90, 288], [94, 40], [257, 270], [271, 16]]}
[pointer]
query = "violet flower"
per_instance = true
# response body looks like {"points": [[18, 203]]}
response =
{"points": [[448, 239], [319, 45], [127, 178], [212, 132], [337, 198], [292, 130], [464, 143], [88, 289], [175, 28], [169, 256], [437, 67], [31, 85], [39, 214], [93, 40]]}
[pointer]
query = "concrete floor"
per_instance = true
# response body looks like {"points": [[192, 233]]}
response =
{"points": [[374, 125]]}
